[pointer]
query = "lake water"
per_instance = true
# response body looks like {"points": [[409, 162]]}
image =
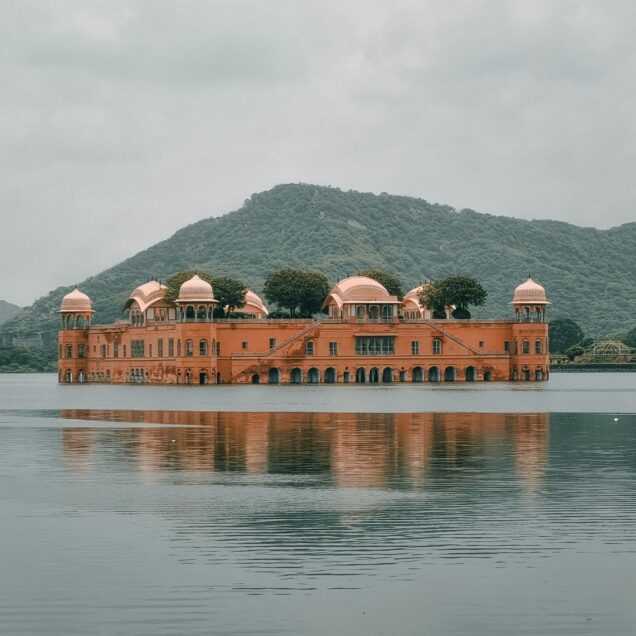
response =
{"points": [[464, 509]]}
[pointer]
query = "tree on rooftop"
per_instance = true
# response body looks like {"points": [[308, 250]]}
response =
{"points": [[295, 289], [457, 291], [230, 293], [390, 281]]}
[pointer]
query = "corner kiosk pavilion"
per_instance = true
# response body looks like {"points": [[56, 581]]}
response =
{"points": [[368, 337]]}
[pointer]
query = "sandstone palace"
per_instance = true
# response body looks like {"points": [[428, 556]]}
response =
{"points": [[368, 336]]}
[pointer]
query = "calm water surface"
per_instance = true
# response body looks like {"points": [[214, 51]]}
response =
{"points": [[139, 510]]}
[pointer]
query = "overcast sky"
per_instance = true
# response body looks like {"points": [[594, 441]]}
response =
{"points": [[120, 122]]}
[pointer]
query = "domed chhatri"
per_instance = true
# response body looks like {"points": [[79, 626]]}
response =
{"points": [[362, 298], [529, 301], [76, 302], [529, 292], [76, 310], [196, 290]]}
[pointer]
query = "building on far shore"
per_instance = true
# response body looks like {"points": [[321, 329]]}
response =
{"points": [[369, 336]]}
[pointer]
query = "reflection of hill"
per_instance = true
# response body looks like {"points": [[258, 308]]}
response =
{"points": [[367, 450]]}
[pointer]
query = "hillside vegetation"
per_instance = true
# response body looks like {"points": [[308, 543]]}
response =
{"points": [[589, 274], [7, 311]]}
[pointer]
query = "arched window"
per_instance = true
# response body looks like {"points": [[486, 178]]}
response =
{"points": [[417, 374], [433, 374], [188, 347], [450, 374], [296, 376], [538, 346], [256, 378], [313, 376], [471, 374], [330, 375], [203, 347], [374, 375], [360, 375], [387, 375]]}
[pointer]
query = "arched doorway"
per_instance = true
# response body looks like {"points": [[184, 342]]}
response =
{"points": [[360, 375], [525, 374], [387, 375], [296, 376], [187, 376], [539, 374], [402, 376], [433, 374], [374, 375], [450, 374], [471, 374], [487, 376], [256, 378], [203, 376], [273, 376], [417, 375], [313, 376], [330, 375]]}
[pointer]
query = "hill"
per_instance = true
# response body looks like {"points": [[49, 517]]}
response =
{"points": [[589, 274], [8, 311]]}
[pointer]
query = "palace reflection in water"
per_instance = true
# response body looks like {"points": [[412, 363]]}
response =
{"points": [[351, 450]]}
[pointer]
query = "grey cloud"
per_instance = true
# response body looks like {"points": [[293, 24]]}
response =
{"points": [[122, 121]]}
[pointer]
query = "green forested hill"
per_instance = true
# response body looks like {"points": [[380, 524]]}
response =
{"points": [[589, 274], [7, 311]]}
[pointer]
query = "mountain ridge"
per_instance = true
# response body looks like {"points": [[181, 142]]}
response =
{"points": [[589, 274]]}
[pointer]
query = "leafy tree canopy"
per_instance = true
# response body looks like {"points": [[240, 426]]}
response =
{"points": [[230, 293], [564, 333], [574, 352], [295, 289], [459, 291], [630, 338], [390, 281]]}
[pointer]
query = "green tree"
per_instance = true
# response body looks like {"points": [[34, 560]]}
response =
{"points": [[630, 338], [295, 289], [459, 291], [574, 352], [390, 281], [175, 281], [230, 293], [564, 333]]}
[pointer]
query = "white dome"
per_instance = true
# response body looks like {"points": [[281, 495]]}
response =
{"points": [[76, 301], [196, 290], [529, 292]]}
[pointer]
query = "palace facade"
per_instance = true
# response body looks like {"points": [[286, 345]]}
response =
{"points": [[368, 336]]}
